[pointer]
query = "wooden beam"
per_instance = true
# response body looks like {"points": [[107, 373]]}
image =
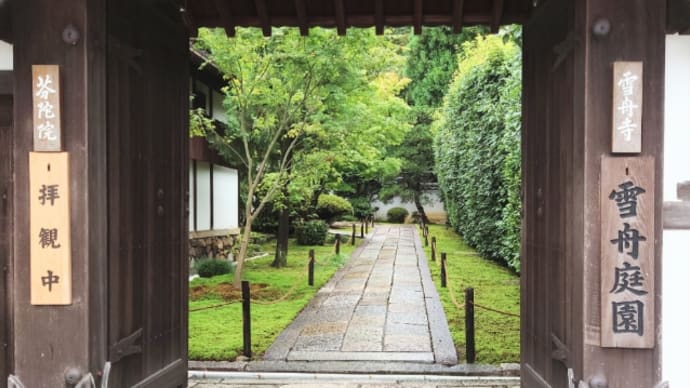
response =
{"points": [[418, 12], [262, 12], [678, 16], [676, 215], [458, 11], [227, 20], [5, 22], [6, 82], [497, 15], [379, 19], [340, 16], [301, 9]]}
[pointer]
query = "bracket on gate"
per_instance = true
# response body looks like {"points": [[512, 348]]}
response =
{"points": [[14, 382], [86, 382], [126, 347]]}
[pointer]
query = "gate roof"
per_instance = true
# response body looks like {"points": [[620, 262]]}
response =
{"points": [[342, 14]]}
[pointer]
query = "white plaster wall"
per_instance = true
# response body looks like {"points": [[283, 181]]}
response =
{"points": [[6, 56], [436, 206], [203, 196], [191, 195], [218, 109], [676, 252], [225, 198]]}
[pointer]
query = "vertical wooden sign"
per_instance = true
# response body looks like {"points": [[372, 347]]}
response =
{"points": [[51, 264], [626, 130], [46, 100], [627, 252]]}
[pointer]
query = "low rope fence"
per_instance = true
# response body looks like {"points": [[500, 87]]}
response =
{"points": [[247, 299], [469, 304]]}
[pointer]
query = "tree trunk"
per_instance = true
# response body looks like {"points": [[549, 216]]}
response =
{"points": [[420, 208], [244, 244], [280, 259]]}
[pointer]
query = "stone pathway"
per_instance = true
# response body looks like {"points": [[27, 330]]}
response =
{"points": [[296, 380], [382, 306]]}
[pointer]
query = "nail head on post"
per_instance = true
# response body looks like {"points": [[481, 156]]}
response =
{"points": [[601, 27], [71, 35]]}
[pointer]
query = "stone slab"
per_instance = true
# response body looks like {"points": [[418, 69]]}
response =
{"points": [[422, 357]]}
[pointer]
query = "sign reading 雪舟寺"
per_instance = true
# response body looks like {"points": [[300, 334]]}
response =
{"points": [[46, 106], [627, 108], [50, 260], [627, 252]]}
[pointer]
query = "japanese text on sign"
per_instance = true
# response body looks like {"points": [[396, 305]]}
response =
{"points": [[51, 270], [627, 259], [46, 99], [627, 107]]}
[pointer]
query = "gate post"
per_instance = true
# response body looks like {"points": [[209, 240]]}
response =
{"points": [[49, 340], [569, 50]]}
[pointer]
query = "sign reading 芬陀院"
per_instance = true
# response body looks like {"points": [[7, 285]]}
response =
{"points": [[46, 107]]}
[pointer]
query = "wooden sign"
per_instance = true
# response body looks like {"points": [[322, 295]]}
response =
{"points": [[46, 99], [627, 108], [51, 264], [627, 252]]}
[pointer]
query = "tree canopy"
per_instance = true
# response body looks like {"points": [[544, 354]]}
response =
{"points": [[305, 111]]}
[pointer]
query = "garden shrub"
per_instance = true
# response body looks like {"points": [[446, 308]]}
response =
{"points": [[311, 232], [207, 268], [329, 207], [397, 214], [477, 149], [361, 207]]}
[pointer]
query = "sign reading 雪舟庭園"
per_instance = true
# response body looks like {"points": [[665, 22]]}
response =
{"points": [[51, 264], [627, 252], [627, 108], [46, 106]]}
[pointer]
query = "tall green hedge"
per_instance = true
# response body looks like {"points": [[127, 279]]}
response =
{"points": [[477, 148]]}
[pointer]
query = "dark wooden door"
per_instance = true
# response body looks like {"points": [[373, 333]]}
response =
{"points": [[5, 230], [147, 161], [550, 303]]}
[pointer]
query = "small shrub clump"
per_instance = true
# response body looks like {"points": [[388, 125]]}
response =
{"points": [[311, 232], [329, 207], [211, 267], [397, 214]]}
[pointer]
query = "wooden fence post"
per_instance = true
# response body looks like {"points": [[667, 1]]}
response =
{"points": [[443, 270], [353, 234], [372, 221], [246, 319], [366, 226], [311, 268], [361, 230], [337, 243], [469, 325], [433, 249]]}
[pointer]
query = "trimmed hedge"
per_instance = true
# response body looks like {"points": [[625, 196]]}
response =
{"points": [[329, 207], [213, 267], [397, 214], [477, 149], [311, 232]]}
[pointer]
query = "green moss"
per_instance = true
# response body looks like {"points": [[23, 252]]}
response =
{"points": [[216, 334], [497, 336]]}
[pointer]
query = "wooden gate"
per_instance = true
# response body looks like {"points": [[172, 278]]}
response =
{"points": [[148, 106], [5, 230], [549, 302]]}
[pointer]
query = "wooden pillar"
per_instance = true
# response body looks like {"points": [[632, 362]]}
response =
{"points": [[637, 33], [50, 340], [569, 50]]}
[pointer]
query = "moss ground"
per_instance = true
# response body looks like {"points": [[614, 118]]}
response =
{"points": [[216, 333], [497, 336]]}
